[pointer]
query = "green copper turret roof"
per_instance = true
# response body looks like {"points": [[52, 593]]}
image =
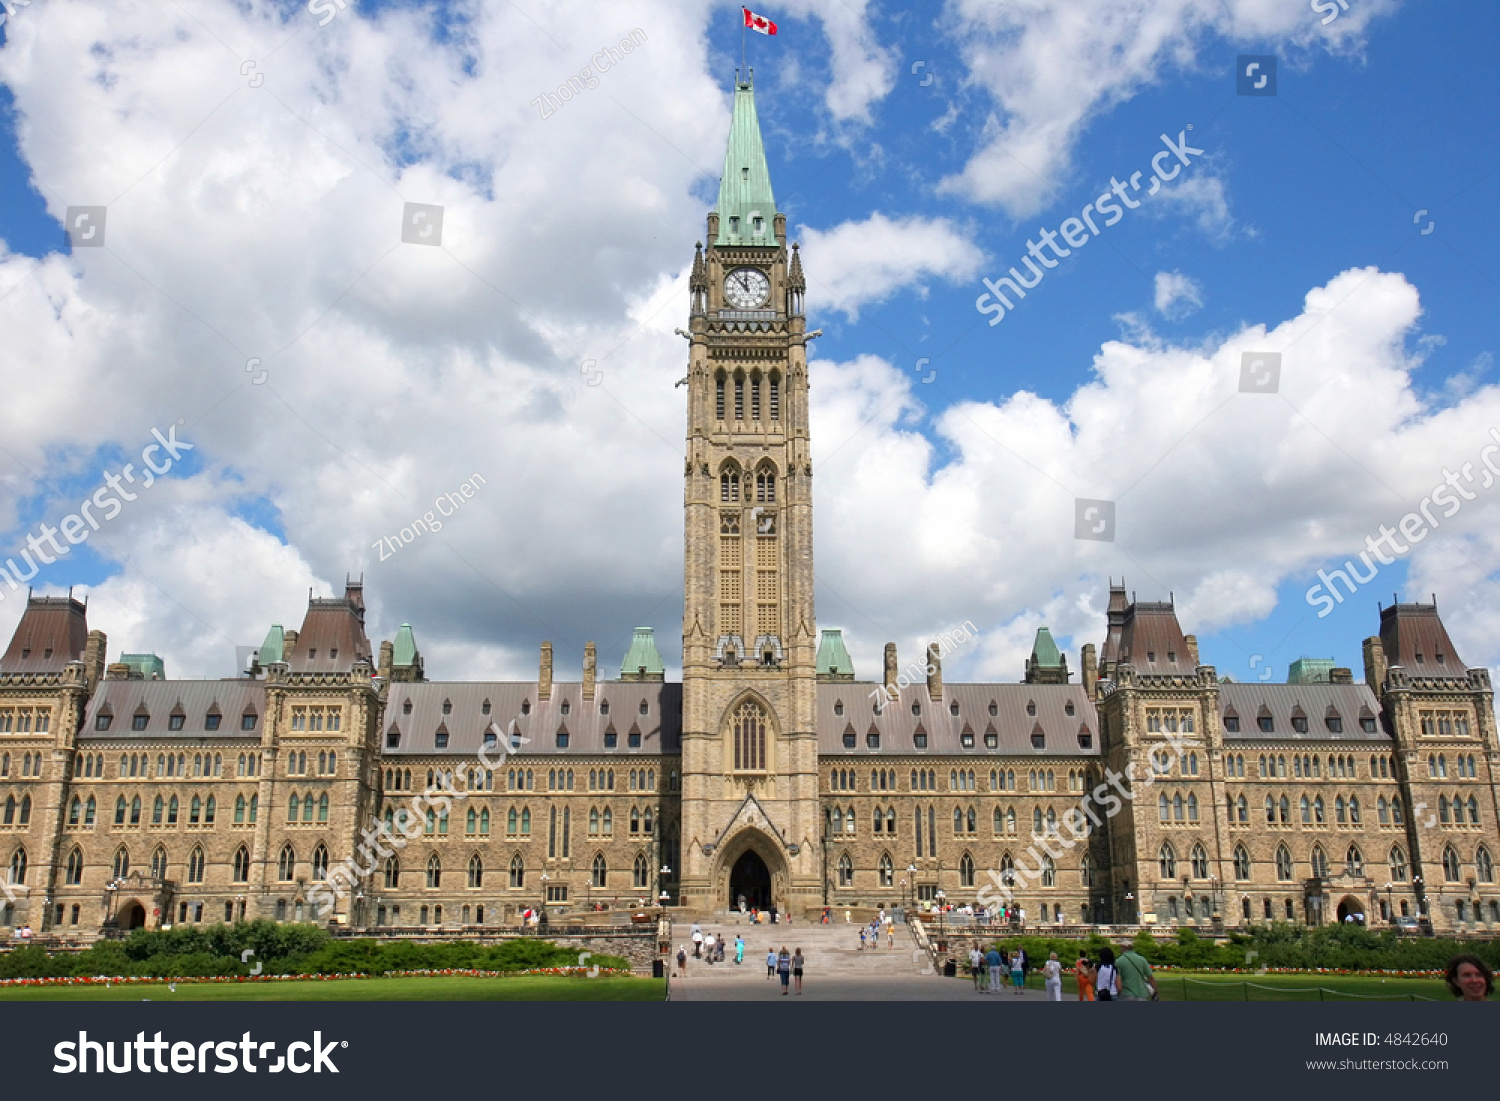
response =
{"points": [[274, 647], [404, 650], [1044, 651], [747, 209], [643, 654], [832, 655]]}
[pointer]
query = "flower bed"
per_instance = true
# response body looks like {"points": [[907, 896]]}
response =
{"points": [[143, 980]]}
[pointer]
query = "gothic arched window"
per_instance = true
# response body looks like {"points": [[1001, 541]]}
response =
{"points": [[749, 738]]}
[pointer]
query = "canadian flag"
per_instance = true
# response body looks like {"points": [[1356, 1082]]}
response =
{"points": [[758, 22]]}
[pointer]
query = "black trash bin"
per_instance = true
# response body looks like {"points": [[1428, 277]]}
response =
{"points": [[950, 968], [658, 969]]}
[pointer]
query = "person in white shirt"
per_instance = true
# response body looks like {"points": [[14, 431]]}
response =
{"points": [[1052, 969]]}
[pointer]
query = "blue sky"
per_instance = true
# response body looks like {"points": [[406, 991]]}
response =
{"points": [[1231, 501]]}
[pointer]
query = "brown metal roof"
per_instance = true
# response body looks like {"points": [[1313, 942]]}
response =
{"points": [[53, 631], [1013, 722], [1414, 637], [1151, 639], [157, 700], [1316, 702], [660, 727], [332, 637]]}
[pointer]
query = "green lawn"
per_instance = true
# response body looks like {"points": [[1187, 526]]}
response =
{"points": [[419, 988]]}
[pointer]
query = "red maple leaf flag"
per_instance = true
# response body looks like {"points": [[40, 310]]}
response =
{"points": [[758, 22]]}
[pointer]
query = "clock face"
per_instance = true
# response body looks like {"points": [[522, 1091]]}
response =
{"points": [[747, 288]]}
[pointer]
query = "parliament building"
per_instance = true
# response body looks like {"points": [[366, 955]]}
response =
{"points": [[334, 781]]}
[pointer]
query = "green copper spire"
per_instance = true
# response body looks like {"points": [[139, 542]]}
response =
{"points": [[833, 657], [643, 659], [404, 652], [747, 209], [272, 649], [1044, 651]]}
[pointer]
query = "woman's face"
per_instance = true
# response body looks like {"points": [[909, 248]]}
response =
{"points": [[1471, 982]]}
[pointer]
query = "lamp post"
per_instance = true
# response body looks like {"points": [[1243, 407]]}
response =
{"points": [[541, 914], [1390, 911], [662, 895], [1416, 886], [1130, 914]]}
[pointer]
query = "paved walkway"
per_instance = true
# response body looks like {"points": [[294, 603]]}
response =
{"points": [[836, 969]]}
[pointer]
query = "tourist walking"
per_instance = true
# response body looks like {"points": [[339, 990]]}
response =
{"points": [[1018, 969], [739, 949], [890, 932], [1083, 970], [1137, 984], [797, 963], [770, 962], [1052, 969], [1004, 966], [993, 958], [976, 966], [1106, 978], [682, 960], [784, 968], [708, 946], [862, 932], [697, 941]]}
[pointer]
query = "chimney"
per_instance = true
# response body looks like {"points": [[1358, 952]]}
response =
{"points": [[289, 640], [934, 673], [589, 661], [118, 670], [890, 670], [93, 658], [387, 655], [1340, 676], [1192, 649], [1090, 671], [1375, 664], [544, 677]]}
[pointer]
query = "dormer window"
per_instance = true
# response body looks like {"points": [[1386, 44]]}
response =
{"points": [[485, 708], [312, 653], [566, 707], [758, 225], [174, 722], [406, 708], [1335, 724], [562, 737], [1367, 724], [440, 739], [138, 722], [953, 709], [1068, 708], [1150, 655], [838, 707], [1419, 658], [1299, 724], [1085, 738], [734, 223], [447, 707], [645, 708], [211, 721], [526, 707], [1442, 659], [604, 707], [101, 722], [393, 737], [1232, 724], [745, 173], [916, 709], [1267, 725], [994, 709], [247, 721], [1171, 655], [1031, 707], [1038, 739]]}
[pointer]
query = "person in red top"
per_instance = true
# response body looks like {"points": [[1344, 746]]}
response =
{"points": [[1084, 971]]}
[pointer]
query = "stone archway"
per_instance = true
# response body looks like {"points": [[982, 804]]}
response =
{"points": [[751, 864], [1351, 905], [132, 915]]}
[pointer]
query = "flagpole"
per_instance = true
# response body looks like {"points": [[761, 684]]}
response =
{"points": [[744, 33]]}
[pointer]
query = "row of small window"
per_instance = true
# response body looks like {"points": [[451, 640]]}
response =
{"points": [[90, 765], [1313, 812], [773, 395], [163, 811], [517, 822], [1463, 767], [1267, 725], [142, 719], [1444, 724], [1354, 863], [885, 871], [842, 821], [1309, 766], [1159, 720], [391, 918], [881, 779], [965, 739], [29, 764], [23, 720], [297, 762], [763, 491], [565, 707], [314, 718], [561, 739], [1161, 762]]}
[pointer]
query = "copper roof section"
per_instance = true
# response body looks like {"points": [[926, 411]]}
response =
{"points": [[1110, 652], [1312, 704], [332, 638], [1415, 639], [53, 631], [159, 700], [1151, 639]]}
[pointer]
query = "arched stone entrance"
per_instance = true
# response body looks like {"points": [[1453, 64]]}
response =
{"points": [[751, 865], [132, 915], [1351, 905]]}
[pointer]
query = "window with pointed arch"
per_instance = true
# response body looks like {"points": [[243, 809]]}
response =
{"points": [[434, 871], [1199, 859], [846, 871], [476, 871], [1166, 861], [1484, 865], [1086, 870], [719, 381], [195, 865], [1319, 863], [640, 872], [241, 865], [739, 395], [1397, 861], [1049, 872], [1354, 861], [749, 738], [965, 871], [286, 864], [887, 870], [73, 873], [1241, 863], [1452, 870], [599, 871], [159, 863], [765, 485], [1283, 863], [392, 872]]}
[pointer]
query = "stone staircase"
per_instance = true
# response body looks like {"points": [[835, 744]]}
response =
{"points": [[828, 950]]}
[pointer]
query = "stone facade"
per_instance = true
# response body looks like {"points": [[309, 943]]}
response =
{"points": [[330, 783]]}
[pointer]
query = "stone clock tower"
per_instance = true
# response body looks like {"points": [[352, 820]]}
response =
{"points": [[749, 743]]}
